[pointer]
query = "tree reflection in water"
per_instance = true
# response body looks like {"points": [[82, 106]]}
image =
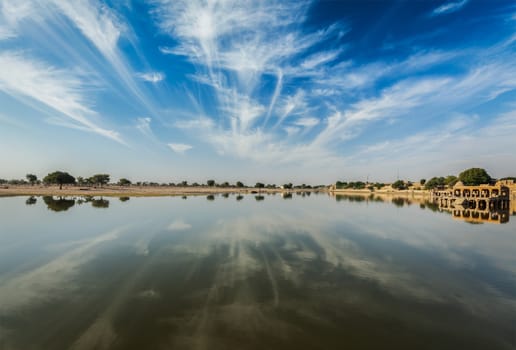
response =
{"points": [[31, 200], [60, 204]]}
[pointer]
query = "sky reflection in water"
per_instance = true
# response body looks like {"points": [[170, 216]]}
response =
{"points": [[251, 272]]}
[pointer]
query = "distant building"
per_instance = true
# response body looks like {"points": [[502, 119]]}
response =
{"points": [[483, 203]]}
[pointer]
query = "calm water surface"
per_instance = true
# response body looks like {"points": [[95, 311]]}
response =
{"points": [[247, 272]]}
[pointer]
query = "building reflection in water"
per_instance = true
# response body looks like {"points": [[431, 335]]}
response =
{"points": [[477, 207], [476, 204]]}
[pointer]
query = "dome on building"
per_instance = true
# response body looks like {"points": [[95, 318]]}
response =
{"points": [[458, 184]]}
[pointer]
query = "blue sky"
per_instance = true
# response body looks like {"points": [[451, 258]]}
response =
{"points": [[273, 91]]}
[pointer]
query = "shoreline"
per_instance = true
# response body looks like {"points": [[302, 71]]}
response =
{"points": [[399, 193], [160, 191], [140, 191]]}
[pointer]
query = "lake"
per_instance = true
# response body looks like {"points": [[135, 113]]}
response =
{"points": [[252, 272]]}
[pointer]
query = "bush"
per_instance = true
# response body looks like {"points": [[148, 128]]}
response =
{"points": [[399, 185], [124, 182]]}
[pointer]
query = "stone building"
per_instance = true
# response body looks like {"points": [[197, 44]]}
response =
{"points": [[483, 203]]}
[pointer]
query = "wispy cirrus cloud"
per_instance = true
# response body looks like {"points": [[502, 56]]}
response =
{"points": [[449, 7], [394, 101], [235, 55], [97, 31], [144, 126], [237, 44], [152, 77], [13, 12], [180, 148], [58, 89], [97, 22], [307, 122], [104, 28]]}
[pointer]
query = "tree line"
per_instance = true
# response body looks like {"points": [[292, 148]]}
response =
{"points": [[64, 178], [469, 177]]}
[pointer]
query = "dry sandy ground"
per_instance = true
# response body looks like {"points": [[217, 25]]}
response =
{"points": [[131, 191]]}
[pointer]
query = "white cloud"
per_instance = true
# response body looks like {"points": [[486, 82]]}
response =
{"points": [[143, 125], [60, 90], [199, 123], [167, 50], [449, 7], [424, 150], [239, 47], [242, 110], [292, 104], [307, 122], [6, 33], [180, 148], [97, 23], [235, 43], [320, 58], [103, 27], [152, 77], [291, 130], [393, 102], [12, 12], [275, 95]]}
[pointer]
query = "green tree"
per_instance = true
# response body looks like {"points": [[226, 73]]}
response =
{"points": [[210, 183], [450, 180], [81, 181], [239, 184], [434, 182], [358, 185], [124, 182], [474, 177], [31, 178], [422, 181], [340, 185], [59, 178], [259, 185], [399, 185], [99, 179]]}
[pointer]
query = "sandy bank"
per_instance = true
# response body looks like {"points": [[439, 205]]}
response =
{"points": [[133, 191]]}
